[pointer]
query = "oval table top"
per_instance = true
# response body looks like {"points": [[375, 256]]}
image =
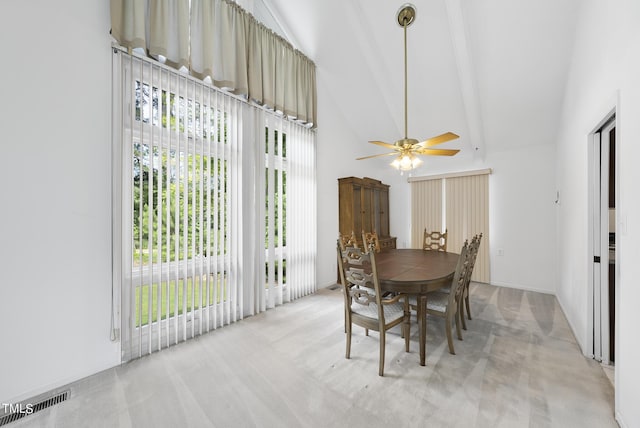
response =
{"points": [[414, 271]]}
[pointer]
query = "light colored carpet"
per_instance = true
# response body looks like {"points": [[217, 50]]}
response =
{"points": [[518, 366]]}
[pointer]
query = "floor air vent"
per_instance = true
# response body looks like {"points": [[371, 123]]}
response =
{"points": [[334, 287], [32, 406]]}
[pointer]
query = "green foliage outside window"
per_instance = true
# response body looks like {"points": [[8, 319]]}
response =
{"points": [[170, 190]]}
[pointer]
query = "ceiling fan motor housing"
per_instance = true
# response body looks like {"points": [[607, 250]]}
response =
{"points": [[406, 14], [406, 142]]}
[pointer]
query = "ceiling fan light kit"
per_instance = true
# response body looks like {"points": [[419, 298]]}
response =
{"points": [[406, 162], [407, 149]]}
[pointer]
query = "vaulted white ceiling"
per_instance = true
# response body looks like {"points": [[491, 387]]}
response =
{"points": [[492, 71]]}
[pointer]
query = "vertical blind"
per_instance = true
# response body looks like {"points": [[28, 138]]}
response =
{"points": [[205, 238], [426, 210], [302, 209], [467, 214], [459, 204], [289, 176]]}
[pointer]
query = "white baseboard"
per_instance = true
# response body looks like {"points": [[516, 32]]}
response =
{"points": [[619, 420], [521, 287], [585, 352], [327, 285], [61, 384]]}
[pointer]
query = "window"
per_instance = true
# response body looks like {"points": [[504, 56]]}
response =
{"points": [[189, 206]]}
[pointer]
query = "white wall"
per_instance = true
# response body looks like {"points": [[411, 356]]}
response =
{"points": [[55, 222], [605, 69], [523, 218]]}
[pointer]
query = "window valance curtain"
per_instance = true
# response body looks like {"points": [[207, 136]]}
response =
{"points": [[217, 39]]}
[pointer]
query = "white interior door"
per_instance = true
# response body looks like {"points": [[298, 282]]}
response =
{"points": [[596, 213], [600, 245]]}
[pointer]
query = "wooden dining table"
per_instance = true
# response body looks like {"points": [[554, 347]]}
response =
{"points": [[416, 272]]}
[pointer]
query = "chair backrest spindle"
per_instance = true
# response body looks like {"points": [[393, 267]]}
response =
{"points": [[345, 241], [436, 241], [370, 239]]}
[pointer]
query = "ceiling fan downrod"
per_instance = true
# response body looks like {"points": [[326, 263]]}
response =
{"points": [[406, 16]]}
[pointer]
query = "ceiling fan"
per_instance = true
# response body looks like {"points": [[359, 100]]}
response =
{"points": [[407, 149]]}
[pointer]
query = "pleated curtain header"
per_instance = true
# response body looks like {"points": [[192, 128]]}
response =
{"points": [[220, 40]]}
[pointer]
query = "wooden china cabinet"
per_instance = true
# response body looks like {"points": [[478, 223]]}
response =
{"points": [[364, 206]]}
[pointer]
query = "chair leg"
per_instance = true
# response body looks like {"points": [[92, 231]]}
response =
{"points": [[458, 331], [461, 313], [383, 334], [406, 326], [348, 353], [466, 301], [366, 332], [447, 325]]}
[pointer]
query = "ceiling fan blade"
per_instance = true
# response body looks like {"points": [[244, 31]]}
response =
{"points": [[377, 156], [436, 152], [383, 144], [447, 136]]}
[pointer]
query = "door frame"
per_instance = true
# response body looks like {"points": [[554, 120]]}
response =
{"points": [[598, 243]]}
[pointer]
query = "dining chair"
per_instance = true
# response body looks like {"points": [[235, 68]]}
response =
{"points": [[364, 304], [370, 238], [447, 304], [464, 302], [347, 241], [436, 241]]}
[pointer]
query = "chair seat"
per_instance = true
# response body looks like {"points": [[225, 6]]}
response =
{"points": [[392, 312], [436, 301]]}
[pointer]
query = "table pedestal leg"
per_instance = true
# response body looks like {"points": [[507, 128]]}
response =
{"points": [[422, 322]]}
